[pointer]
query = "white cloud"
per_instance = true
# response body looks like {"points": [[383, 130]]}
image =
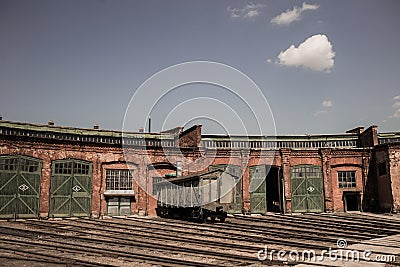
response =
{"points": [[327, 103], [314, 53], [396, 114], [251, 13], [318, 113], [269, 60], [396, 107], [251, 10], [292, 15]]}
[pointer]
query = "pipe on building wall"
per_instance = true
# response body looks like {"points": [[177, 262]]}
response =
{"points": [[147, 191], [282, 184]]}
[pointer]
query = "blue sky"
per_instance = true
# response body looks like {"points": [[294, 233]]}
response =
{"points": [[80, 62]]}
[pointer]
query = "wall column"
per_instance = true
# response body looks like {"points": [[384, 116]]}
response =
{"points": [[326, 174], [96, 185], [245, 182], [285, 156], [44, 199]]}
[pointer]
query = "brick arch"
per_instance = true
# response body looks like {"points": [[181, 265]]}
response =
{"points": [[73, 158], [162, 165], [351, 165], [20, 155], [119, 162]]}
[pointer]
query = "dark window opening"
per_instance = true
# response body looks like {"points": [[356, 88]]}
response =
{"points": [[274, 190], [382, 168], [351, 201]]}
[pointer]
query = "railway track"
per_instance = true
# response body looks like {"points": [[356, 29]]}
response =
{"points": [[142, 241]]}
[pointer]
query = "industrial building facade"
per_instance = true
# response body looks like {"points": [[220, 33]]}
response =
{"points": [[51, 171]]}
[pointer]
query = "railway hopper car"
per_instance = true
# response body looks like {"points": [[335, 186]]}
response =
{"points": [[198, 196]]}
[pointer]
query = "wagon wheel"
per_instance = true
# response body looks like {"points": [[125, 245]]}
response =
{"points": [[203, 218], [222, 219]]}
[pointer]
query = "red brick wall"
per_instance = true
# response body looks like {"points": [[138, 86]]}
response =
{"points": [[394, 159], [345, 160], [383, 182], [102, 157], [191, 137]]}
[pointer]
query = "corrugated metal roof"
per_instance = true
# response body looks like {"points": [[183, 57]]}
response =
{"points": [[81, 131]]}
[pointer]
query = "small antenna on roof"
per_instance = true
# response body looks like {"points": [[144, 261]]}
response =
{"points": [[149, 124]]}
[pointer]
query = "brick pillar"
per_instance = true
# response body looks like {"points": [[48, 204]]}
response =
{"points": [[326, 174], [96, 185], [285, 155], [366, 158], [45, 188], [394, 172], [245, 183], [141, 192]]}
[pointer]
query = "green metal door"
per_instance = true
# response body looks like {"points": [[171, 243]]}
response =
{"points": [[258, 189], [19, 186], [307, 188], [71, 188]]}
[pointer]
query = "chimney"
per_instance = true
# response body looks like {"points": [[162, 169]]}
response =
{"points": [[96, 126], [1, 117], [51, 123], [149, 124], [141, 130], [369, 137]]}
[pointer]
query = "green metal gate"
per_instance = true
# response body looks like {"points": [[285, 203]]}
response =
{"points": [[19, 186], [236, 205], [71, 188], [307, 188], [258, 189]]}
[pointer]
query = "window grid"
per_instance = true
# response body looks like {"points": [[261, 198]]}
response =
{"points": [[118, 180], [310, 172], [12, 164], [81, 168], [347, 179], [63, 168], [9, 164]]}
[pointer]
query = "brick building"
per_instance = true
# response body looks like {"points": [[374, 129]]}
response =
{"points": [[52, 171]]}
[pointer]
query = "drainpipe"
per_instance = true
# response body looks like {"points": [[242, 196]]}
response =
{"points": [[282, 184], [101, 195], [147, 191]]}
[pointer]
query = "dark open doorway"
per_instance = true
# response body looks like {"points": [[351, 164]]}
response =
{"points": [[274, 190], [351, 201]]}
